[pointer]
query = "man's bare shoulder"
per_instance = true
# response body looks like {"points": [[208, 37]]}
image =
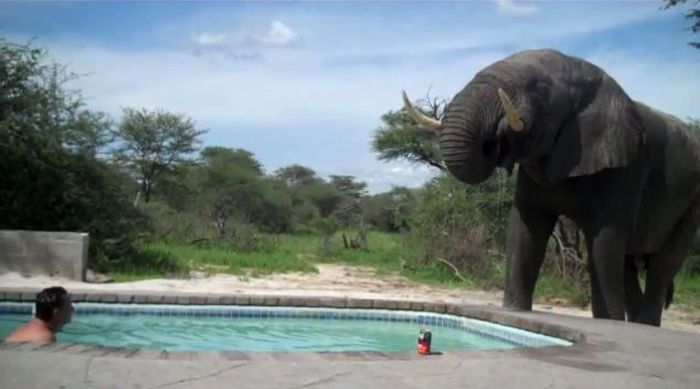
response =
{"points": [[31, 332]]}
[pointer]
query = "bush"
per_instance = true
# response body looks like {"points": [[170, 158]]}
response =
{"points": [[243, 238], [464, 246], [464, 225], [691, 266], [171, 225], [565, 260], [53, 178], [144, 262]]}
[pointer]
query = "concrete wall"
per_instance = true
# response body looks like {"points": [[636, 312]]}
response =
{"points": [[61, 254]]}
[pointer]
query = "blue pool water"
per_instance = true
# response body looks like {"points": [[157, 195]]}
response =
{"points": [[272, 328]]}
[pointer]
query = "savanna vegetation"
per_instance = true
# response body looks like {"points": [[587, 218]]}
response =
{"points": [[158, 203]]}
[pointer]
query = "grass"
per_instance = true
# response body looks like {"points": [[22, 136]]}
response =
{"points": [[687, 292], [146, 263], [288, 253], [550, 289], [214, 259], [388, 253], [391, 253], [385, 251]]}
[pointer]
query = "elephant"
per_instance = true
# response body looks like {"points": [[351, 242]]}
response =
{"points": [[627, 174]]}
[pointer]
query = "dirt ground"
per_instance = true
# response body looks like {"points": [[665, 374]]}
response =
{"points": [[332, 280]]}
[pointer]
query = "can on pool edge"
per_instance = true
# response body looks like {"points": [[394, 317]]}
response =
{"points": [[424, 338]]}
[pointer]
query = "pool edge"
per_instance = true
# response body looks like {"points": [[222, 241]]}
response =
{"points": [[491, 314]]}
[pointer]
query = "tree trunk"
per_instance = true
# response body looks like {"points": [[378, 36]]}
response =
{"points": [[146, 191], [221, 225], [571, 265]]}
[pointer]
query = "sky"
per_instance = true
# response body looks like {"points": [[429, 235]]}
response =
{"points": [[307, 82]]}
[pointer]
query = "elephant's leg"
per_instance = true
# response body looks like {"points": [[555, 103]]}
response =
{"points": [[664, 265], [633, 293], [529, 229], [600, 311], [608, 221], [606, 250]]}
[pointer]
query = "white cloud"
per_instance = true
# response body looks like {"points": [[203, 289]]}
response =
{"points": [[277, 34], [403, 170], [209, 39], [388, 175], [286, 87], [405, 174], [516, 8]]}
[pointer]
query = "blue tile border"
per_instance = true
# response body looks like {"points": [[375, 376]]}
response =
{"points": [[515, 336], [16, 308]]}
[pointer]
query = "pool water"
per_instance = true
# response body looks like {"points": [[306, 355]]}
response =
{"points": [[234, 330], [210, 333]]}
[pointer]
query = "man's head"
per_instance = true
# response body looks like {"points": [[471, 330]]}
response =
{"points": [[53, 306]]}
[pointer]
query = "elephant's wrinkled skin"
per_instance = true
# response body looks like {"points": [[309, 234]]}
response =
{"points": [[627, 174]]}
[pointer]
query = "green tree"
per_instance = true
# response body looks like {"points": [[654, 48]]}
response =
{"points": [[325, 196], [445, 201], [276, 212], [177, 187], [153, 142], [302, 186], [390, 211], [348, 186], [34, 103], [348, 208], [239, 159], [297, 175], [463, 224], [400, 138], [232, 190], [692, 265], [52, 177], [229, 185], [694, 125]]}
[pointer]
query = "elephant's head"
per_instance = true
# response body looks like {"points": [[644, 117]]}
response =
{"points": [[557, 113]]}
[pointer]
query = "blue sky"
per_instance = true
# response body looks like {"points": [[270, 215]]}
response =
{"points": [[307, 82]]}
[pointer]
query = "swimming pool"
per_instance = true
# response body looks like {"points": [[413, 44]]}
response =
{"points": [[254, 328]]}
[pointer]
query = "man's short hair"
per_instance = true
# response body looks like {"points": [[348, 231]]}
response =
{"points": [[49, 299]]}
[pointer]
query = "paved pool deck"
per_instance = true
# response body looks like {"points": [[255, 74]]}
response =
{"points": [[606, 354]]}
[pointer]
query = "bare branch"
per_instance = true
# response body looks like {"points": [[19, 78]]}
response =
{"points": [[453, 267]]}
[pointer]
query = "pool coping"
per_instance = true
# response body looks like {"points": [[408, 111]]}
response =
{"points": [[581, 341]]}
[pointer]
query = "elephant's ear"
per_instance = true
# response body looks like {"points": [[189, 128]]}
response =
{"points": [[605, 132]]}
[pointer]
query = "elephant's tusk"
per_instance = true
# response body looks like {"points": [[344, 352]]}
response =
{"points": [[419, 117], [512, 115]]}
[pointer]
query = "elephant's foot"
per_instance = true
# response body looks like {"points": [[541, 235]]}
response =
{"points": [[515, 303], [633, 316], [650, 316], [652, 321]]}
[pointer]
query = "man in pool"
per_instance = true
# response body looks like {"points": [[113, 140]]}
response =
{"points": [[53, 310]]}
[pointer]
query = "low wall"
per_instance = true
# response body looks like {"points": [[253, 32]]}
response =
{"points": [[61, 254]]}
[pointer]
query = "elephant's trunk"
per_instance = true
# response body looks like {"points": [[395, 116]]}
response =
{"points": [[465, 149]]}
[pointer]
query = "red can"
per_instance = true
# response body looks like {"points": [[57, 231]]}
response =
{"points": [[424, 338]]}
